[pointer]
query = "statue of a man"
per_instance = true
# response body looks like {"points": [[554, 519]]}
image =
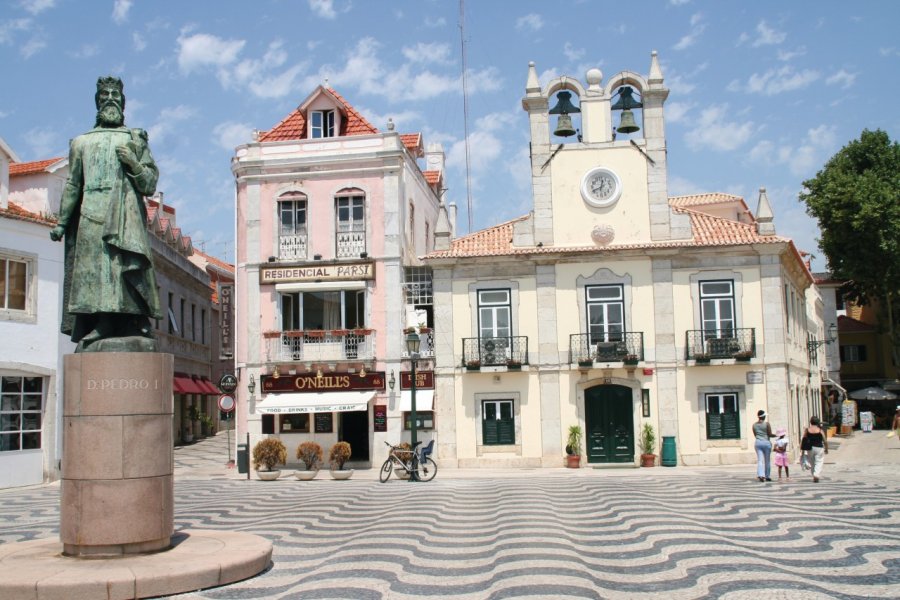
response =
{"points": [[109, 293]]}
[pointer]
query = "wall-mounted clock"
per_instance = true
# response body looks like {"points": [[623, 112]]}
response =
{"points": [[601, 187]]}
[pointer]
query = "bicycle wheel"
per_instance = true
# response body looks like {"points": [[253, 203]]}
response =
{"points": [[386, 469], [425, 469]]}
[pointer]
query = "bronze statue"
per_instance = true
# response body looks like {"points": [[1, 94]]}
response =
{"points": [[109, 293]]}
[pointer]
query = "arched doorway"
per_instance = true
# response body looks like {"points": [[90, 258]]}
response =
{"points": [[609, 424]]}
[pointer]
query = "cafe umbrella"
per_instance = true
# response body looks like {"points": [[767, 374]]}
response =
{"points": [[872, 393]]}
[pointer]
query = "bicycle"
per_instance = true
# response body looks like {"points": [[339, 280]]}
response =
{"points": [[419, 468]]}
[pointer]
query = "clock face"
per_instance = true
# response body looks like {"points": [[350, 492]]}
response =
{"points": [[601, 187]]}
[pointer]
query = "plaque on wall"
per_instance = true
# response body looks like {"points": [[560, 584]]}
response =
{"points": [[380, 420], [324, 422], [424, 380]]}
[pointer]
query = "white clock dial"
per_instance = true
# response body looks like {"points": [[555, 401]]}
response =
{"points": [[601, 187]]}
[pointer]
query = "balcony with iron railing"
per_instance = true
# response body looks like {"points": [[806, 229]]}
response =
{"points": [[588, 348], [316, 345], [351, 240], [292, 247], [510, 352], [702, 345]]}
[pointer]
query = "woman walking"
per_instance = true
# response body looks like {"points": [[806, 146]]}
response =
{"points": [[818, 446], [762, 431]]}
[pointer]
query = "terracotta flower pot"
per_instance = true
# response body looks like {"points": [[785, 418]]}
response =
{"points": [[573, 461], [648, 460]]}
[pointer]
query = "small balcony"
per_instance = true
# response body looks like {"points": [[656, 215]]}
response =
{"points": [[426, 347], [511, 352], [351, 240], [314, 345], [588, 348], [292, 247], [702, 345]]}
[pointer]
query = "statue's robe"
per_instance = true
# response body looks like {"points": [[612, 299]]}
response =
{"points": [[109, 266]]}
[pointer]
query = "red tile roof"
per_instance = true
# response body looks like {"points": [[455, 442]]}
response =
{"points": [[293, 126], [708, 230], [432, 177], [413, 143], [20, 214], [221, 264], [30, 168], [850, 325]]}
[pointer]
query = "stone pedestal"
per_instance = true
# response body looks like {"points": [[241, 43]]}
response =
{"points": [[117, 495]]}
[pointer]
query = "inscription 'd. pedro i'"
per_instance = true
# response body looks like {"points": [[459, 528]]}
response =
{"points": [[121, 383]]}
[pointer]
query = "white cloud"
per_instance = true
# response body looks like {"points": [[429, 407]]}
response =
{"points": [[678, 2], [679, 186], [86, 51], [403, 120], [531, 22], [787, 55], [676, 111], [120, 10], [434, 23], [33, 46], [697, 28], [4, 114], [138, 42], [842, 78], [323, 8], [803, 158], [572, 53], [714, 132], [776, 81], [44, 142], [8, 29], [204, 50], [428, 53], [229, 134], [168, 121], [767, 35], [37, 6]]}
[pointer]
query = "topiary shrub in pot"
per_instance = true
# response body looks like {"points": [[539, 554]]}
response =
{"points": [[337, 457], [268, 453], [310, 454], [573, 447]]}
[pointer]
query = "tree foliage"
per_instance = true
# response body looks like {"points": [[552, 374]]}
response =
{"points": [[856, 199]]}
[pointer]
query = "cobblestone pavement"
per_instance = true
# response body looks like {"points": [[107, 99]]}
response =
{"points": [[557, 533]]}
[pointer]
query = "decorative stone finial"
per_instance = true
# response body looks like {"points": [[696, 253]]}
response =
{"points": [[594, 77], [390, 124], [532, 84], [656, 75], [764, 215]]}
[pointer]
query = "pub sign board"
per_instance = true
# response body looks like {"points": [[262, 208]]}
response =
{"points": [[331, 382], [228, 383], [226, 318], [319, 272], [424, 380]]}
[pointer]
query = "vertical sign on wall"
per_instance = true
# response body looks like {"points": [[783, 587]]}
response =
{"points": [[226, 309]]}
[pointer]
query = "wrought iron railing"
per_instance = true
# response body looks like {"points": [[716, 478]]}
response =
{"points": [[625, 346], [314, 345], [495, 351], [351, 240], [704, 344], [292, 247], [426, 345]]}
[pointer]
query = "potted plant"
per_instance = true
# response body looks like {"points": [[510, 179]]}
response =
{"points": [[514, 364], [206, 424], [585, 361], [194, 418], [744, 355], [310, 454], [573, 447], [701, 358], [473, 365], [268, 453], [631, 359], [647, 444], [337, 457]]}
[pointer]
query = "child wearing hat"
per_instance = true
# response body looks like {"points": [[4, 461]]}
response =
{"points": [[780, 447]]}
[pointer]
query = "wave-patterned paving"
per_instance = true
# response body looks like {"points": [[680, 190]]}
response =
{"points": [[709, 535]]}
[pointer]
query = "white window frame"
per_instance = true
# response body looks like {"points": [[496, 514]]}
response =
{"points": [[712, 301], [321, 124], [28, 314], [349, 203], [296, 237], [494, 308], [6, 411], [605, 331]]}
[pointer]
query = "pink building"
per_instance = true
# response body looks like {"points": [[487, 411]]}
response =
{"points": [[331, 216]]}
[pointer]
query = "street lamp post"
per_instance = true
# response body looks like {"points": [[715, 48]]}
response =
{"points": [[412, 346]]}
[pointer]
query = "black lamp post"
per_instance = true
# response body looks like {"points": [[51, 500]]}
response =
{"points": [[412, 346]]}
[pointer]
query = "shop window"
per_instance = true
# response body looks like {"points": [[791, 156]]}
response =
{"points": [[424, 420], [293, 423]]}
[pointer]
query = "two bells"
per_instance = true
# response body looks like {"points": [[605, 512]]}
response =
{"points": [[564, 108]]}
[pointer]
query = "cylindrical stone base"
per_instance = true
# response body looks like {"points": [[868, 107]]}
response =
{"points": [[117, 494]]}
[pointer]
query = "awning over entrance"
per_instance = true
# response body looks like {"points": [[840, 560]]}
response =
{"points": [[182, 384], [208, 387], [282, 404], [424, 400]]}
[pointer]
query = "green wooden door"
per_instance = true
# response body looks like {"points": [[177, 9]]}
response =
{"points": [[609, 422]]}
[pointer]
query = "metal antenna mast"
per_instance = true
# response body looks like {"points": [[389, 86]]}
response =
{"points": [[462, 39]]}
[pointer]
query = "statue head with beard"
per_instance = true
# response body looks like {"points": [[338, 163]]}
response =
{"points": [[110, 102]]}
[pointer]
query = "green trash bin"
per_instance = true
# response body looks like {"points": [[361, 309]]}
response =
{"points": [[669, 458], [243, 458]]}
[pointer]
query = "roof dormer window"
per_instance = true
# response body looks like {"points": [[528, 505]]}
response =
{"points": [[321, 123]]}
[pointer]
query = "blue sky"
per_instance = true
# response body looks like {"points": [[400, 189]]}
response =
{"points": [[762, 93]]}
